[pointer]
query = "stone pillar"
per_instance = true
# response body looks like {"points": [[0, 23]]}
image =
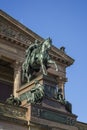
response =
{"points": [[61, 84], [17, 77]]}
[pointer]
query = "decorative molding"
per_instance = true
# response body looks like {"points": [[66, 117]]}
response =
{"points": [[81, 125], [65, 58], [19, 25], [52, 116], [8, 48], [12, 111], [11, 32]]}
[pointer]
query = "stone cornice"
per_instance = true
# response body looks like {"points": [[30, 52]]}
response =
{"points": [[13, 31], [65, 58], [13, 113], [20, 25], [81, 125]]}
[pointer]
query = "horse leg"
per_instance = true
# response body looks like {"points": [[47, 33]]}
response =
{"points": [[43, 68], [53, 62], [29, 74], [22, 75], [28, 78]]}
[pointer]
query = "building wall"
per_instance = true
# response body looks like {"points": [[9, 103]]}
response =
{"points": [[10, 126]]}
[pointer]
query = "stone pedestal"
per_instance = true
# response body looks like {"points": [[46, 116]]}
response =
{"points": [[46, 118], [48, 82], [36, 117], [49, 114]]}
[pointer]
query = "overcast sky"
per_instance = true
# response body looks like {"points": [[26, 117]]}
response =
{"points": [[65, 21]]}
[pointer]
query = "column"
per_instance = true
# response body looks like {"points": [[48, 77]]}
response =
{"points": [[61, 84], [17, 77]]}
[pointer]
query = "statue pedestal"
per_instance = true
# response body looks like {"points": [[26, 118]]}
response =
{"points": [[48, 82], [49, 113], [45, 118], [50, 99]]}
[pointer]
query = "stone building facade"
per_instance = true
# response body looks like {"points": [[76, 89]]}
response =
{"points": [[50, 114]]}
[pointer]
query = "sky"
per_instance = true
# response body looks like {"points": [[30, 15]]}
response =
{"points": [[65, 21]]}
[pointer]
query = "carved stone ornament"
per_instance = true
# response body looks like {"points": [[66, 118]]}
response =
{"points": [[13, 101], [13, 111], [52, 116], [9, 31]]}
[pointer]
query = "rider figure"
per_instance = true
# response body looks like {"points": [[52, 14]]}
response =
{"points": [[30, 50]]}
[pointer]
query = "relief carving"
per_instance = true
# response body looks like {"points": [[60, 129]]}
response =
{"points": [[9, 31], [12, 111]]}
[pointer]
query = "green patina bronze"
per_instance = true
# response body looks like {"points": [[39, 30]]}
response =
{"points": [[13, 101], [60, 98], [37, 57], [36, 94]]}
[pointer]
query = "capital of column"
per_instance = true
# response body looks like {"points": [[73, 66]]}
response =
{"points": [[17, 65]]}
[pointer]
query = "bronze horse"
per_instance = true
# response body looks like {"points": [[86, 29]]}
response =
{"points": [[37, 58]]}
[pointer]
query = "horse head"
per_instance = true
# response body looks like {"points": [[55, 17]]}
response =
{"points": [[47, 43]]}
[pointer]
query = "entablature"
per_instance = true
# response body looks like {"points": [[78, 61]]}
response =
{"points": [[13, 31]]}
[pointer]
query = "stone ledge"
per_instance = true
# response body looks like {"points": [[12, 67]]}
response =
{"points": [[12, 112]]}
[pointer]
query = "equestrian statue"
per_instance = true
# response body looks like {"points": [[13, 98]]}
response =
{"points": [[37, 58]]}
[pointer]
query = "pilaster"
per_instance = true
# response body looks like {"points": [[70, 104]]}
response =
{"points": [[17, 77], [61, 85]]}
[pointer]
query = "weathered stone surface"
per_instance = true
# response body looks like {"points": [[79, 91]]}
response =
{"points": [[12, 111], [11, 126]]}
